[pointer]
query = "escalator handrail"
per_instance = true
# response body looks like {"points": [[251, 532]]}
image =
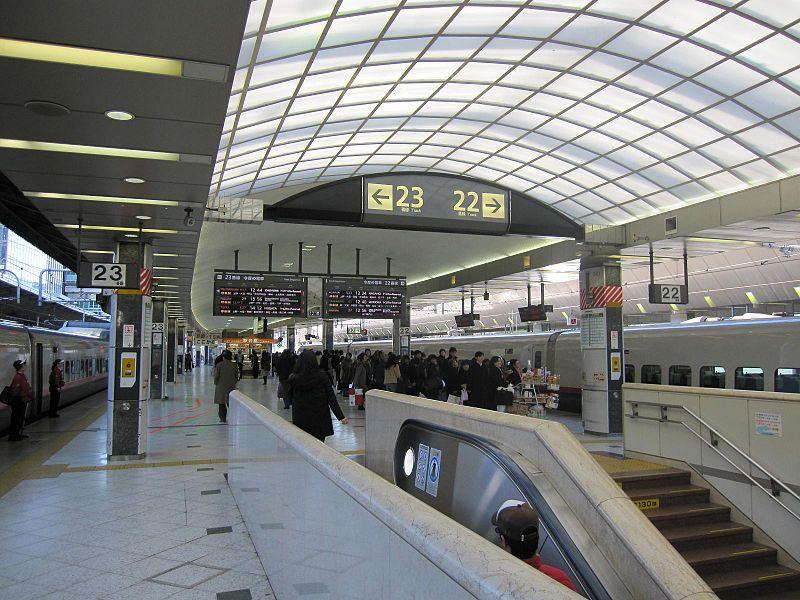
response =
{"points": [[532, 496]]}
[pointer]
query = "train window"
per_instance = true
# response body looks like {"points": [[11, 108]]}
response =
{"points": [[680, 375], [749, 378], [651, 374], [712, 377], [630, 374], [787, 381], [66, 371], [537, 359]]}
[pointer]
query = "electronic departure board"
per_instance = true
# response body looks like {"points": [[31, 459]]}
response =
{"points": [[363, 297], [257, 294], [435, 202]]}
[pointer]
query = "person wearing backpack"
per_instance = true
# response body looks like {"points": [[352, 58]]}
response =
{"points": [[21, 394]]}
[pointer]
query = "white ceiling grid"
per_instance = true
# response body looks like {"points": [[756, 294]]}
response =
{"points": [[609, 110]]}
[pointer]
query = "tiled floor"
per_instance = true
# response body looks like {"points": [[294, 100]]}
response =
{"points": [[75, 526]]}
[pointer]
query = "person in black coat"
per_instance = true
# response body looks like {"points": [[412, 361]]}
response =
{"points": [[475, 387], [493, 379], [311, 394]]}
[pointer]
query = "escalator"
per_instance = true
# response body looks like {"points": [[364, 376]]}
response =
{"points": [[468, 478]]}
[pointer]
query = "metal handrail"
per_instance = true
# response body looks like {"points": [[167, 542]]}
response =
{"points": [[775, 483], [15, 276]]}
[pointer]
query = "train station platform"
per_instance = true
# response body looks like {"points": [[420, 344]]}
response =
{"points": [[73, 525]]}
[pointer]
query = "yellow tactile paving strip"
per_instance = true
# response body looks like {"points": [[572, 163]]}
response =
{"points": [[615, 466]]}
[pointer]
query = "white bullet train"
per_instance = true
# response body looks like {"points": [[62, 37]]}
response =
{"points": [[85, 366], [752, 354]]}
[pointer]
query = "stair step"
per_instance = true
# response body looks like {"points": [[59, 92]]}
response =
{"points": [[670, 495], [712, 559], [753, 582], [648, 479], [703, 535], [688, 514]]}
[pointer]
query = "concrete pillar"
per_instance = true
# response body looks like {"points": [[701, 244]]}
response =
{"points": [[401, 333], [327, 334], [290, 337], [602, 347], [129, 362], [172, 342], [158, 359]]}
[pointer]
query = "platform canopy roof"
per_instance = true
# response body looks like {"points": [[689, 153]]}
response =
{"points": [[609, 110]]}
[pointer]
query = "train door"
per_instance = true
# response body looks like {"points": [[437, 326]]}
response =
{"points": [[38, 376], [550, 357]]}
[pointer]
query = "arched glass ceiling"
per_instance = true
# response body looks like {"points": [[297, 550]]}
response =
{"points": [[609, 110]]}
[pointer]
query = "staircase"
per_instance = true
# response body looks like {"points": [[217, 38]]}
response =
{"points": [[721, 551]]}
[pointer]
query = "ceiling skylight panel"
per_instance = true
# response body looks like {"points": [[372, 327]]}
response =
{"points": [[359, 149], [730, 77], [640, 42], [453, 166], [574, 154], [597, 142], [377, 74], [770, 99], [505, 96], [758, 171], [246, 52], [774, 55], [545, 195], [419, 161], [536, 23], [693, 132], [254, 16], [592, 201], [790, 123], [661, 145], [507, 49], [616, 215], [572, 209], [238, 80], [604, 66], [503, 132], [520, 153], [369, 137], [250, 146], [469, 156], [278, 70], [413, 91], [464, 126], [340, 58], [557, 56], [778, 13], [681, 16], [695, 164], [357, 28], [485, 173], [434, 150], [432, 71], [415, 137], [320, 153], [292, 150], [638, 185], [686, 58], [522, 119], [286, 13], [243, 159], [553, 164], [404, 49], [349, 113], [766, 139], [664, 175], [461, 48], [656, 113], [320, 163], [340, 161], [448, 139], [584, 178], [460, 91], [640, 209], [664, 200], [269, 94], [482, 144], [649, 80], [330, 141], [233, 103], [483, 72], [403, 149], [226, 184], [547, 103], [360, 95], [515, 183], [322, 82], [502, 164], [425, 123], [727, 152], [533, 174], [574, 86], [589, 31], [606, 168], [587, 115], [420, 21], [479, 19], [537, 141], [624, 9], [315, 101], [731, 33], [625, 129], [290, 41], [441, 108], [729, 117], [723, 182], [384, 124], [248, 133], [614, 193], [296, 135], [616, 98], [631, 157], [690, 97], [248, 169], [483, 112], [304, 120], [261, 114], [397, 109]]}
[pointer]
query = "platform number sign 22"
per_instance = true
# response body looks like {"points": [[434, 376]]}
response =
{"points": [[108, 275]]}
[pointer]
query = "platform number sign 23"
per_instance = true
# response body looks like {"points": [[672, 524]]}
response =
{"points": [[108, 275]]}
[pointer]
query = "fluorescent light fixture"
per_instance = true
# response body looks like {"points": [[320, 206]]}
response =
{"points": [[97, 251], [641, 308], [133, 180], [797, 290], [81, 149], [120, 115], [143, 217], [163, 277], [89, 57], [751, 297], [165, 254], [166, 268], [110, 228], [167, 285], [709, 301], [114, 199], [131, 235]]}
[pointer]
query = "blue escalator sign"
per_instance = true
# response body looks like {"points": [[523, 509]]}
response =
{"points": [[434, 472]]}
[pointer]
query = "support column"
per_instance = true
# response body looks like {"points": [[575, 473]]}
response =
{"points": [[602, 347], [129, 362], [327, 334], [172, 342], [158, 360], [401, 333], [290, 337]]}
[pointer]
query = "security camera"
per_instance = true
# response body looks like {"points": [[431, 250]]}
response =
{"points": [[188, 220]]}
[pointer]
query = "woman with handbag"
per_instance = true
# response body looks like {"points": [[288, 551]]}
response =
{"points": [[494, 379]]}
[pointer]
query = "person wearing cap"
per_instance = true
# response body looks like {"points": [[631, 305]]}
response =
{"points": [[56, 382], [518, 526], [21, 393]]}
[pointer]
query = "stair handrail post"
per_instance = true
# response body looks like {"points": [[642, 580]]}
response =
{"points": [[16, 278]]}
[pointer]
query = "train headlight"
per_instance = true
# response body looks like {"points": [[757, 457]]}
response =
{"points": [[408, 462]]}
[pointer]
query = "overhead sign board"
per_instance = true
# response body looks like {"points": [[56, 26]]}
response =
{"points": [[536, 312], [258, 294], [668, 293], [121, 276], [467, 320], [363, 297], [434, 202]]}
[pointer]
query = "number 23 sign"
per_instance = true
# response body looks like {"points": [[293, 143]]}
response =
{"points": [[108, 275]]}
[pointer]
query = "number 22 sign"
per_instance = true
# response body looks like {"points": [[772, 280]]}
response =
{"points": [[107, 275]]}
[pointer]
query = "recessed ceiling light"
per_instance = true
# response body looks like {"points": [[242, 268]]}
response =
{"points": [[131, 235], [134, 180], [90, 198], [47, 109], [143, 217], [120, 115]]}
